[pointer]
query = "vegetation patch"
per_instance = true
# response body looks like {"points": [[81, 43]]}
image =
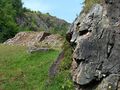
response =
{"points": [[89, 3], [20, 70], [66, 64], [63, 80]]}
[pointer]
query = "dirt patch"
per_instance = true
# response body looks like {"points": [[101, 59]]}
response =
{"points": [[55, 66]]}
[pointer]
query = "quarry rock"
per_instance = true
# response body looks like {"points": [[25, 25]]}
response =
{"points": [[36, 41], [95, 38], [27, 38]]}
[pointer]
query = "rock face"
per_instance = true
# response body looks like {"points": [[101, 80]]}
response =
{"points": [[95, 37]]}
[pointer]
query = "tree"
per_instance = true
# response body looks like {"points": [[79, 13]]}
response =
{"points": [[9, 10]]}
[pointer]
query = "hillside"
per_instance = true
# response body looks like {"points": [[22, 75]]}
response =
{"points": [[15, 18], [36, 21]]}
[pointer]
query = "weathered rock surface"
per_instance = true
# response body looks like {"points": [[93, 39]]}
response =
{"points": [[95, 37], [36, 41]]}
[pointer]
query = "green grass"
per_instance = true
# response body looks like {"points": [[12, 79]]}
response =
{"points": [[20, 70], [63, 80]]}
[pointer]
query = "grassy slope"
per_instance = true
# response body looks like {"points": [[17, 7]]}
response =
{"points": [[22, 71]]}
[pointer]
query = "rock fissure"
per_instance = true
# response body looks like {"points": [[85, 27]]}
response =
{"points": [[110, 44], [83, 32]]}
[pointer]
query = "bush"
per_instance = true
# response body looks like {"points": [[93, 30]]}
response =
{"points": [[9, 10], [66, 63], [90, 3]]}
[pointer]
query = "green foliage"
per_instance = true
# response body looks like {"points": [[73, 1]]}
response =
{"points": [[90, 3], [20, 29], [17, 4], [9, 9], [66, 64], [26, 9], [11, 12], [61, 30], [62, 81], [20, 70]]}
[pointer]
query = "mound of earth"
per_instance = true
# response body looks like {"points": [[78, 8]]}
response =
{"points": [[36, 40]]}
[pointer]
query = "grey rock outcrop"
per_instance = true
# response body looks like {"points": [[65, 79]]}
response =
{"points": [[95, 37]]}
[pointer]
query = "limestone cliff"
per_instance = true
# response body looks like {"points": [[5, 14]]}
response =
{"points": [[95, 38]]}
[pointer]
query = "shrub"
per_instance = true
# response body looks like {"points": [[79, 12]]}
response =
{"points": [[90, 3], [66, 63]]}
